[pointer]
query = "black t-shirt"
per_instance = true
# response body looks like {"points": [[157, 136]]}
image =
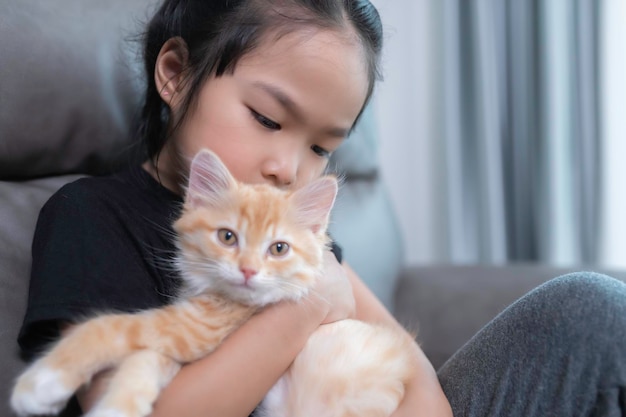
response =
{"points": [[101, 244]]}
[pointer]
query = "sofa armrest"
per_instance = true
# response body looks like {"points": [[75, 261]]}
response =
{"points": [[446, 305]]}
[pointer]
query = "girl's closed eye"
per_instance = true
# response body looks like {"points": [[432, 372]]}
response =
{"points": [[264, 121], [321, 151]]}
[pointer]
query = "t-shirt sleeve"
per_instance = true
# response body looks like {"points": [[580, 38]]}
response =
{"points": [[83, 261]]}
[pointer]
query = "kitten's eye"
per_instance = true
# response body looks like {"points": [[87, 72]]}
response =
{"points": [[279, 249], [227, 237]]}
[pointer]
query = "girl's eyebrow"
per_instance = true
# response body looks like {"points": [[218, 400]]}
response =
{"points": [[283, 99], [281, 96]]}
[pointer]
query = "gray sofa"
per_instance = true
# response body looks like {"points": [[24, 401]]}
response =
{"points": [[70, 84]]}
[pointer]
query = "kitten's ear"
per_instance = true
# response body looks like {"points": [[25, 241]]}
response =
{"points": [[209, 179], [314, 201]]}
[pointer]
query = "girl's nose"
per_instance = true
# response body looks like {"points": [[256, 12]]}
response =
{"points": [[280, 170]]}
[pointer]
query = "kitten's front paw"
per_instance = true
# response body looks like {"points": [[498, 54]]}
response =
{"points": [[40, 390]]}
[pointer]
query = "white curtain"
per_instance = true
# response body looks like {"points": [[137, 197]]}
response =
{"points": [[502, 127], [613, 119]]}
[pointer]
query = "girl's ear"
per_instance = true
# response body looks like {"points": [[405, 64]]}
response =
{"points": [[314, 201], [209, 179], [168, 70]]}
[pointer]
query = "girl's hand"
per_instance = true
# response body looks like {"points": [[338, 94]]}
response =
{"points": [[334, 291]]}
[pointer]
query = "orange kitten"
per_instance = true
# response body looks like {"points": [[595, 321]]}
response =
{"points": [[241, 247]]}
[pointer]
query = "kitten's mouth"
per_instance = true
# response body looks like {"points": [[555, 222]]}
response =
{"points": [[245, 284]]}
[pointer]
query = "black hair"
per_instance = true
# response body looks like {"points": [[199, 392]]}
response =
{"points": [[217, 33]]}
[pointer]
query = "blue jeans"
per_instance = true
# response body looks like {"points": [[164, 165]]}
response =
{"points": [[558, 351]]}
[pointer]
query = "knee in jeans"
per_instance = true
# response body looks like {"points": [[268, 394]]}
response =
{"points": [[590, 285], [589, 296]]}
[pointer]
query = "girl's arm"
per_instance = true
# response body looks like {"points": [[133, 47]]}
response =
{"points": [[233, 379], [424, 395]]}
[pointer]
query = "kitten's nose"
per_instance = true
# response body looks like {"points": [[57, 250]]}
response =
{"points": [[248, 273]]}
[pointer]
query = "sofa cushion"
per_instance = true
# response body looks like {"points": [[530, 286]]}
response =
{"points": [[364, 225], [70, 84], [21, 202], [357, 157]]}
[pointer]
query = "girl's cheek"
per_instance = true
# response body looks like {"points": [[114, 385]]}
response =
{"points": [[312, 173]]}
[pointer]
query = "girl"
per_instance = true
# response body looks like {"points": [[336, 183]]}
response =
{"points": [[273, 87]]}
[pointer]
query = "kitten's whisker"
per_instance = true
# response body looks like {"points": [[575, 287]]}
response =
{"points": [[290, 286], [161, 258], [166, 265], [201, 264], [312, 292], [307, 297], [165, 230], [170, 296]]}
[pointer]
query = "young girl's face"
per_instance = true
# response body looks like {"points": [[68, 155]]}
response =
{"points": [[288, 105]]}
